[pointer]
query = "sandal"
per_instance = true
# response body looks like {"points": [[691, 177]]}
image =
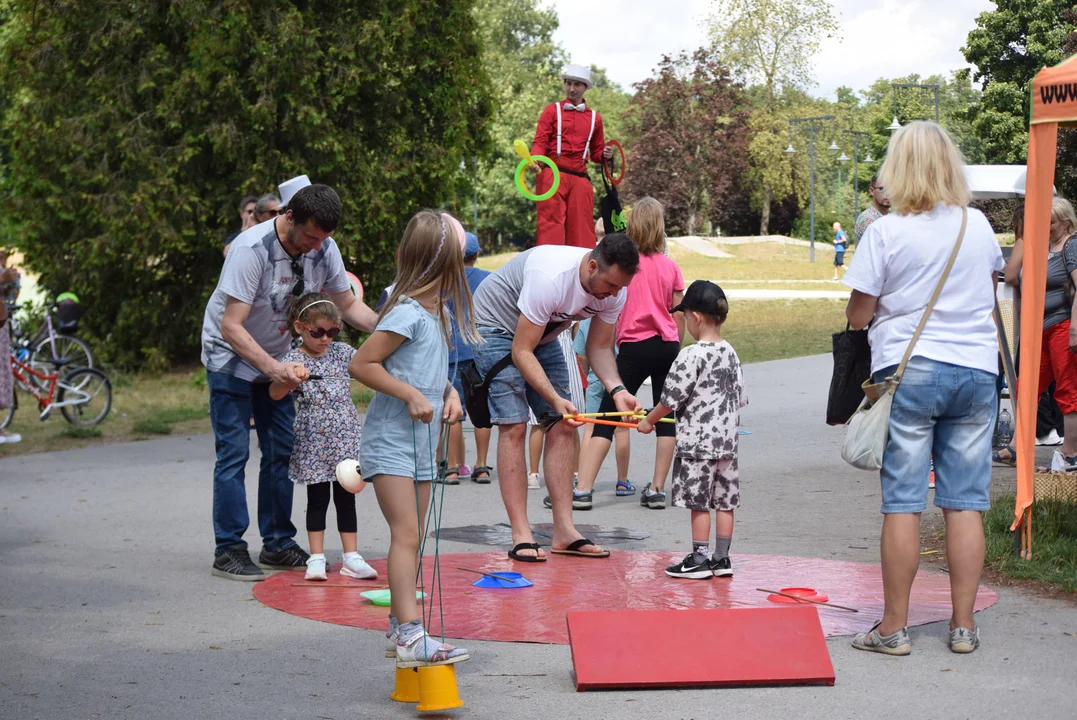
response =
{"points": [[451, 476], [574, 550], [624, 488], [484, 470], [514, 554], [872, 641], [996, 457]]}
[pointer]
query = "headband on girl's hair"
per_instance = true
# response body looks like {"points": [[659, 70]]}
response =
{"points": [[308, 307], [457, 227]]}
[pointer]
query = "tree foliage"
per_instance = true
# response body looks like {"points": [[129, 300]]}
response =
{"points": [[770, 44], [135, 125], [689, 127], [1008, 46]]}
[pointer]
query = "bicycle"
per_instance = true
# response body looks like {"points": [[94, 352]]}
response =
{"points": [[84, 395], [47, 344]]}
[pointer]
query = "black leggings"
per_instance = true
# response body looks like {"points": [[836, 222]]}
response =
{"points": [[318, 506], [637, 361]]}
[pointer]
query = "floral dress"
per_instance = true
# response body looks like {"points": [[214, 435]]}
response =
{"points": [[327, 426]]}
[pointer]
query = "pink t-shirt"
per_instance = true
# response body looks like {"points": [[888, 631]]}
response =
{"points": [[650, 296]]}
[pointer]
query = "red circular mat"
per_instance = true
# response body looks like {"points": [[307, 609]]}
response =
{"points": [[627, 580]]}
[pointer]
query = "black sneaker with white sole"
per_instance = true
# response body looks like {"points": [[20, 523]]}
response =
{"points": [[235, 564], [290, 558], [692, 567], [722, 567], [580, 500], [652, 499]]}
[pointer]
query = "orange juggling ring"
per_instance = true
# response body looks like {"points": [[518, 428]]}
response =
{"points": [[606, 165]]}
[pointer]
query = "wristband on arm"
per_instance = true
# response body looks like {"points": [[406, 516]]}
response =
{"points": [[618, 389]]}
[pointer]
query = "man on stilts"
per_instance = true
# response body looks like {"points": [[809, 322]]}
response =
{"points": [[570, 134]]}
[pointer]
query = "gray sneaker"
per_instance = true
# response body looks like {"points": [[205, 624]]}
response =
{"points": [[963, 640], [896, 644], [235, 564], [652, 499]]}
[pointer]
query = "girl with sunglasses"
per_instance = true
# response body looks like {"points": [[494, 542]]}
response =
{"points": [[327, 430], [406, 361]]}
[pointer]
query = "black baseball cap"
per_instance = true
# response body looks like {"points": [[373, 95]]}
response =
{"points": [[701, 296]]}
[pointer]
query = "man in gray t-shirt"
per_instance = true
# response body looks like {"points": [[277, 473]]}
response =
{"points": [[244, 333]]}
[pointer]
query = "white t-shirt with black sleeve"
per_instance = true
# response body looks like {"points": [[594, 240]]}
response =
{"points": [[543, 285], [258, 272], [900, 260]]}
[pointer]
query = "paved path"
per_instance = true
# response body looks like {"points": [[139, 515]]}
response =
{"points": [[108, 608], [699, 245]]}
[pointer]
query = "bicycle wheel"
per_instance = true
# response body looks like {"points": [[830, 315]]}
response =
{"points": [[76, 352], [92, 392]]}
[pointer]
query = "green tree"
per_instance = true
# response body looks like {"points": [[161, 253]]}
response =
{"points": [[136, 124], [770, 44], [1008, 46]]}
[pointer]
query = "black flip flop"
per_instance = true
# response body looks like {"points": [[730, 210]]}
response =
{"points": [[574, 550], [514, 554]]}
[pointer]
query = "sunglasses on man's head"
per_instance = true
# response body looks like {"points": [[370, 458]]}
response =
{"points": [[297, 270], [318, 333]]}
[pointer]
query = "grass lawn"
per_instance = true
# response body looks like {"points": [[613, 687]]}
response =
{"points": [[775, 329], [1054, 543]]}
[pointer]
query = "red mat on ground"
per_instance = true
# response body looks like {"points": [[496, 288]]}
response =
{"points": [[746, 646], [627, 580]]}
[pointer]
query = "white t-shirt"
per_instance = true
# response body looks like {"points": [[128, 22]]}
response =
{"points": [[543, 285], [900, 260]]}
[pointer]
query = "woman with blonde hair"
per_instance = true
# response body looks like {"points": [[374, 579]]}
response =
{"points": [[945, 404], [1058, 364], [649, 338]]}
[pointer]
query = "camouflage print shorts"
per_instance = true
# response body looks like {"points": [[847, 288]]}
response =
{"points": [[706, 484]]}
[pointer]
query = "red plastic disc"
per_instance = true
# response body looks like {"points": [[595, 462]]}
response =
{"points": [[800, 592], [606, 165]]}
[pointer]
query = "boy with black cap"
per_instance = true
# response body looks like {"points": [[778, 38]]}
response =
{"points": [[705, 387]]}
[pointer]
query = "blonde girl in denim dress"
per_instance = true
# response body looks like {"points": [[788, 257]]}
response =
{"points": [[406, 362]]}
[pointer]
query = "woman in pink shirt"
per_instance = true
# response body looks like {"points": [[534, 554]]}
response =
{"points": [[649, 338]]}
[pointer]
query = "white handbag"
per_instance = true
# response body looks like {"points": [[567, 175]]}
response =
{"points": [[869, 428]]}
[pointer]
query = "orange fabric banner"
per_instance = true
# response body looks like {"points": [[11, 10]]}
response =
{"points": [[1054, 94], [1039, 185]]}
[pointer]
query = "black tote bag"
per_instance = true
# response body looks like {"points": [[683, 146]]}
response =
{"points": [[613, 219], [852, 367]]}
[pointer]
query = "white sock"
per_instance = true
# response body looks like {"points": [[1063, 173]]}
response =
{"points": [[349, 555], [317, 556]]}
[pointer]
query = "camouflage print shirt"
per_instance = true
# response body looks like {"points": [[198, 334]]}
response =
{"points": [[705, 387]]}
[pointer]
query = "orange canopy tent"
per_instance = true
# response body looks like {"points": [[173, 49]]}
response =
{"points": [[1054, 103]]}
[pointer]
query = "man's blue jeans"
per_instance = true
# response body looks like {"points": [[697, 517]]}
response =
{"points": [[232, 403]]}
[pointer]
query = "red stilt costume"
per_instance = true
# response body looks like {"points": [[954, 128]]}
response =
{"points": [[570, 136]]}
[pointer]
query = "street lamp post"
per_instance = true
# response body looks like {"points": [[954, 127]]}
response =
{"points": [[857, 134], [902, 86], [811, 155]]}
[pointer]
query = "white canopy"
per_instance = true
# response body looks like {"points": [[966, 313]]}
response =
{"points": [[991, 182]]}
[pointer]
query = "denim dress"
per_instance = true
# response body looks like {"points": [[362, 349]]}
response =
{"points": [[392, 444]]}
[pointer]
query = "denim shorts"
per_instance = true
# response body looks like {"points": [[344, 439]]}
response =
{"points": [[946, 412], [510, 396], [454, 378]]}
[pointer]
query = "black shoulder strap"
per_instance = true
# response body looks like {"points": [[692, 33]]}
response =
{"points": [[496, 369]]}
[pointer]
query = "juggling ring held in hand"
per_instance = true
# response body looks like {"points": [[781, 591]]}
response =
{"points": [[523, 188], [607, 164]]}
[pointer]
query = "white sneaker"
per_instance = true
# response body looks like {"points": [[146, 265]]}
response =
{"points": [[316, 568], [10, 438], [533, 482], [414, 648], [1051, 439], [356, 567]]}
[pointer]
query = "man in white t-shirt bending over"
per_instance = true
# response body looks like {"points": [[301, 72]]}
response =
{"points": [[520, 310]]}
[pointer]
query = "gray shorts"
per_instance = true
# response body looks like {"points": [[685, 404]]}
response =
{"points": [[705, 484]]}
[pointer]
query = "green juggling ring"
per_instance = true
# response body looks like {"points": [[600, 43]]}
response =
{"points": [[520, 179]]}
